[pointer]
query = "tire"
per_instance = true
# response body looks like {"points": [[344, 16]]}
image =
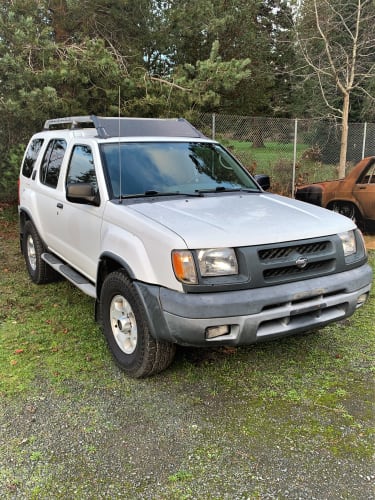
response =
{"points": [[32, 248], [125, 326], [349, 210]]}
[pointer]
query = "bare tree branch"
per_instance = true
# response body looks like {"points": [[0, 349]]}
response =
{"points": [[166, 82], [339, 51]]}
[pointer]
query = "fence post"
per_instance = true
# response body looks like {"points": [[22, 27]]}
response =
{"points": [[364, 140], [294, 155], [213, 125]]}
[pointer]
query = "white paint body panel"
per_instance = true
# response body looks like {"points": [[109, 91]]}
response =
{"points": [[233, 220]]}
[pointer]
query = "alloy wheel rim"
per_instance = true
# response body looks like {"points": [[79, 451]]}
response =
{"points": [[123, 324], [31, 253]]}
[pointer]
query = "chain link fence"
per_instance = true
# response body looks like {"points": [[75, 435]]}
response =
{"points": [[291, 151]]}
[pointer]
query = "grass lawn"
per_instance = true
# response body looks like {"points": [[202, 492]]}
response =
{"points": [[276, 160]]}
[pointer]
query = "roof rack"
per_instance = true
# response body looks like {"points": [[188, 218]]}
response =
{"points": [[73, 121], [127, 127]]}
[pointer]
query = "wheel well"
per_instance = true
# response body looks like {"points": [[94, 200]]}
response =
{"points": [[23, 218], [107, 266], [344, 202]]}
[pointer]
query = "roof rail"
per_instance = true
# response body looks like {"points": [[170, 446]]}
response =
{"points": [[128, 127]]}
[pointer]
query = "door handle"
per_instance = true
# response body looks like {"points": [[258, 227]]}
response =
{"points": [[60, 205]]}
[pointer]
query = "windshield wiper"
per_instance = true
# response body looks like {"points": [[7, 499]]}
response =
{"points": [[222, 189], [151, 192]]}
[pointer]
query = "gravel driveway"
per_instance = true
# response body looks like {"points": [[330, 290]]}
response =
{"points": [[159, 439]]}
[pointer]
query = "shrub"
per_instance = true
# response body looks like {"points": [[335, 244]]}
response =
{"points": [[9, 171]]}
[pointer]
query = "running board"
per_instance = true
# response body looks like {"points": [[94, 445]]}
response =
{"points": [[70, 274]]}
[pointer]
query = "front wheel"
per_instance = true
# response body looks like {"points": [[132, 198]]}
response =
{"points": [[349, 210], [125, 326]]}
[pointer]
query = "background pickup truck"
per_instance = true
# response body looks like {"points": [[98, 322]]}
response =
{"points": [[176, 242], [353, 196]]}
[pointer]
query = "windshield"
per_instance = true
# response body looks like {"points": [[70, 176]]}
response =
{"points": [[171, 167]]}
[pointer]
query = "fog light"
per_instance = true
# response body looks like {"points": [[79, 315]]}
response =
{"points": [[362, 299], [217, 331]]}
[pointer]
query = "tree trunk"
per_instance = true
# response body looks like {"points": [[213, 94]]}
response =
{"points": [[60, 19], [344, 135]]}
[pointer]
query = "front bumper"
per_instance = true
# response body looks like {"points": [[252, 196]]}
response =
{"points": [[256, 314]]}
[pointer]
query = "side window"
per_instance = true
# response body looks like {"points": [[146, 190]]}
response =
{"points": [[81, 169], [51, 164], [371, 175], [368, 176], [31, 157]]}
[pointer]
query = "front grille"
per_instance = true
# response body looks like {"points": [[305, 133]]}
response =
{"points": [[278, 272], [284, 262], [304, 249]]}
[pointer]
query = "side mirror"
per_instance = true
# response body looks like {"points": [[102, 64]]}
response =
{"points": [[263, 181], [82, 193]]}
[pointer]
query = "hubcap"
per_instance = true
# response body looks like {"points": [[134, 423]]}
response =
{"points": [[31, 254], [124, 326]]}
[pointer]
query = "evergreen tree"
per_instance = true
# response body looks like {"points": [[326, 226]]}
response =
{"points": [[61, 58]]}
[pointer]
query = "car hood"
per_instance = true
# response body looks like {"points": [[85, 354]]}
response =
{"points": [[242, 219]]}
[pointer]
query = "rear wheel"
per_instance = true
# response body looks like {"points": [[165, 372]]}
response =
{"points": [[32, 248], [125, 326]]}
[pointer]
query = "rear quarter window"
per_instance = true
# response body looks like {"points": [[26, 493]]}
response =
{"points": [[31, 156]]}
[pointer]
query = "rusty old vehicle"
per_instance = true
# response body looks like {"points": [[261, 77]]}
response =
{"points": [[353, 196]]}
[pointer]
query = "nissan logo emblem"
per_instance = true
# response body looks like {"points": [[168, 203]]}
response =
{"points": [[301, 262]]}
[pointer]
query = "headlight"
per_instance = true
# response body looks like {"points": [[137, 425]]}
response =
{"points": [[349, 244], [211, 261], [217, 262]]}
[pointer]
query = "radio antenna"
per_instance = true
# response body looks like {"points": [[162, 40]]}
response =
{"points": [[119, 145]]}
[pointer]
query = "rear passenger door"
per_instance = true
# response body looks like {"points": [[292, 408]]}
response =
{"points": [[48, 193]]}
